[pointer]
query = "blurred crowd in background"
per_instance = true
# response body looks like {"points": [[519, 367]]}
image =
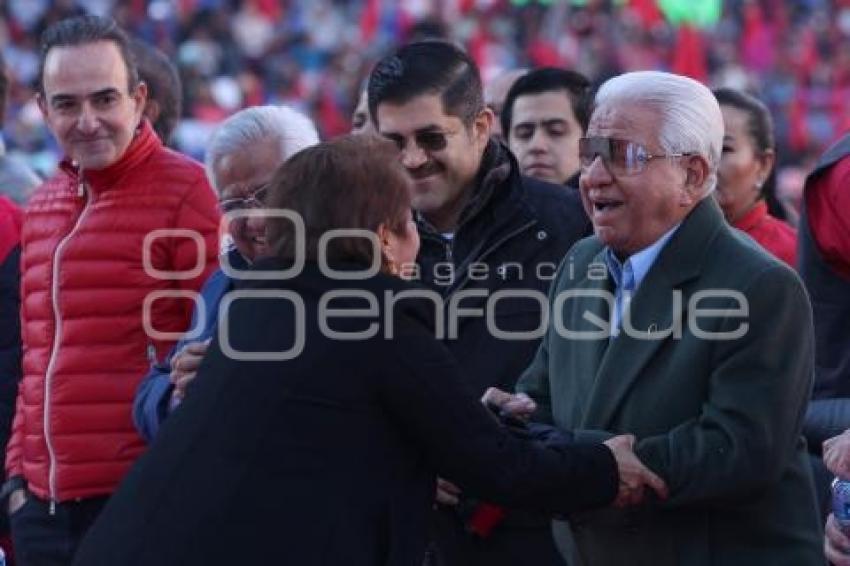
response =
{"points": [[315, 54]]}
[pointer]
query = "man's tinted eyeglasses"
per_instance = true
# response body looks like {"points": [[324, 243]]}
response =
{"points": [[621, 157], [255, 200], [426, 141]]}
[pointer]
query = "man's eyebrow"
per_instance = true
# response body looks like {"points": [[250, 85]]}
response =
{"points": [[104, 91], [428, 129], [62, 98], [544, 123], [554, 122], [66, 97]]}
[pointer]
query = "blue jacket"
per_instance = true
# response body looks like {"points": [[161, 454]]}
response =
{"points": [[150, 406]]}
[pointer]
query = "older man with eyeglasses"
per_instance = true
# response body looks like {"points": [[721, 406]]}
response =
{"points": [[242, 156], [670, 325]]}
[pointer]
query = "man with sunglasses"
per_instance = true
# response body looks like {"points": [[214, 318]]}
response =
{"points": [[672, 326], [122, 221], [242, 156], [484, 229]]}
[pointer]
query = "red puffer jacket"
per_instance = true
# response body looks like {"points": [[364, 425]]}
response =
{"points": [[85, 291], [10, 226]]}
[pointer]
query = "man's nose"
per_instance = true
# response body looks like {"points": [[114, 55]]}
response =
{"points": [[413, 156], [596, 173], [87, 121], [538, 141], [256, 223]]}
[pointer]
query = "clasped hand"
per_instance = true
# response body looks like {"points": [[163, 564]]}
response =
{"points": [[184, 366], [634, 476]]}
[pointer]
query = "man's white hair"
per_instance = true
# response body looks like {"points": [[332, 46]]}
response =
{"points": [[259, 125], [690, 116]]}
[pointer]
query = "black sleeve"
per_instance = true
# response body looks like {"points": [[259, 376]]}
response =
{"points": [[10, 341], [466, 445], [824, 419]]}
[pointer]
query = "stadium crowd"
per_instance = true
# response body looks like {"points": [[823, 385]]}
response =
{"points": [[572, 291], [314, 55]]}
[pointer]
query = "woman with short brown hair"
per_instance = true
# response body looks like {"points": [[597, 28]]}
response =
{"points": [[322, 413]]}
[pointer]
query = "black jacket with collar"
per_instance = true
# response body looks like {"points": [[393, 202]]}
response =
{"points": [[511, 236]]}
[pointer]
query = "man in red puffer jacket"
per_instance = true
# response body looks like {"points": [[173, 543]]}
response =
{"points": [[114, 247], [10, 327]]}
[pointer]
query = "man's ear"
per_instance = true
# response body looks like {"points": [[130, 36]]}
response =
{"points": [[696, 174], [152, 110], [42, 104], [140, 95], [483, 125]]}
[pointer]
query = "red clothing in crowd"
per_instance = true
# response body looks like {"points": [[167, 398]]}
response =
{"points": [[773, 234], [11, 219], [828, 207], [85, 285]]}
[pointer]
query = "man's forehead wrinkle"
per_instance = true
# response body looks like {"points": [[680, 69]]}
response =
{"points": [[613, 121]]}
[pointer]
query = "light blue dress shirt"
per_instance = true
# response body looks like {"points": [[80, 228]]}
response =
{"points": [[628, 275]]}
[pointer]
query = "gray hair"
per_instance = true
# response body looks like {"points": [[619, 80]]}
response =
{"points": [[690, 116], [260, 124]]}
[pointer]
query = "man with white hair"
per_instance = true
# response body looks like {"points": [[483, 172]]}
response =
{"points": [[669, 325], [241, 159]]}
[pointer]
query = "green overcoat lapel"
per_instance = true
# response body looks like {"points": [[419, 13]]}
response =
{"points": [[657, 314]]}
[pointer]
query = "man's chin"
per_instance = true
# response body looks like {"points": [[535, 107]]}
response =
{"points": [[547, 174], [96, 162], [259, 250]]}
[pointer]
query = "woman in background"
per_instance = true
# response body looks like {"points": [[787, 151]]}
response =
{"points": [[744, 180]]}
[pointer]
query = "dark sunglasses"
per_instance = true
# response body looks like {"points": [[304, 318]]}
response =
{"points": [[426, 141]]}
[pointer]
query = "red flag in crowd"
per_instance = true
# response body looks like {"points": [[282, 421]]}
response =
{"points": [[403, 22], [778, 10], [757, 39], [689, 57], [543, 53], [798, 136], [331, 118], [187, 7], [647, 12], [272, 9], [840, 110], [138, 9], [370, 17], [808, 56], [478, 46]]}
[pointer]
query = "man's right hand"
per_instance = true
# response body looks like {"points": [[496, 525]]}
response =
{"points": [[17, 499], [836, 545], [517, 405], [634, 476], [836, 454], [447, 492], [184, 366]]}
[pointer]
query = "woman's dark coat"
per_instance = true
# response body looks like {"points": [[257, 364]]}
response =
{"points": [[329, 457]]}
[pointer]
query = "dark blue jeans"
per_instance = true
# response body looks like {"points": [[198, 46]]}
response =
{"points": [[42, 539]]}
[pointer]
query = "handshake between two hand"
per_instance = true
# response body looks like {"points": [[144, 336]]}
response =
{"points": [[635, 477]]}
